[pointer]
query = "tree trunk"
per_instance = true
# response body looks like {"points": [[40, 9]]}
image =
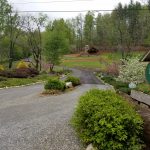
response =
{"points": [[10, 56], [37, 64], [40, 62], [51, 67]]}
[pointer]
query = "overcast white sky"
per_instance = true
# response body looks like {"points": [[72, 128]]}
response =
{"points": [[61, 6]]}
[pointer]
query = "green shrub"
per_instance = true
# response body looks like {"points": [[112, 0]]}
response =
{"points": [[1, 68], [108, 121], [144, 87], [75, 81], [3, 79], [108, 79], [132, 70], [22, 65], [121, 86], [55, 84]]}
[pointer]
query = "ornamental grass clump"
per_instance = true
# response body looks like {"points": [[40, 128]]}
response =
{"points": [[106, 120], [132, 70]]}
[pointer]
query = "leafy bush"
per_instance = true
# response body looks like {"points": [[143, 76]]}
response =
{"points": [[112, 69], [108, 79], [1, 68], [22, 65], [118, 85], [108, 121], [61, 71], [132, 71], [2, 79], [25, 73], [75, 81], [55, 84], [144, 87]]}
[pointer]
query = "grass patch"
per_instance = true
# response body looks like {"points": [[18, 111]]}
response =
{"points": [[144, 87], [102, 61], [22, 81], [82, 61]]}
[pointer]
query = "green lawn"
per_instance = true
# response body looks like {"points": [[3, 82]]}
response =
{"points": [[101, 61], [82, 61], [22, 81]]}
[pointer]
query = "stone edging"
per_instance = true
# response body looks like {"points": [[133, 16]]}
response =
{"points": [[22, 85]]}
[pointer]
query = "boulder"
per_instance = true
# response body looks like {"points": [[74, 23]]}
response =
{"points": [[69, 85], [90, 147]]}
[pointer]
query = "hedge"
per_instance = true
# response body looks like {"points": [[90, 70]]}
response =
{"points": [[75, 81], [106, 120], [54, 84]]}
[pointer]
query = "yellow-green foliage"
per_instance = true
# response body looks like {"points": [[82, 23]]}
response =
{"points": [[108, 121], [22, 64], [1, 67]]}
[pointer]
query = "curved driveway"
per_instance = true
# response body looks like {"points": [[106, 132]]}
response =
{"points": [[29, 121]]}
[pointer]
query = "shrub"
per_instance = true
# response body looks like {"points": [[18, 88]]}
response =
{"points": [[19, 73], [55, 84], [75, 81], [2, 79], [132, 71], [108, 79], [112, 69], [22, 65], [25, 72], [144, 87], [1, 68], [108, 121], [121, 86]]}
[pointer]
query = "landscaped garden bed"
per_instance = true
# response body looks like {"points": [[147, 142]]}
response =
{"points": [[22, 74], [56, 86]]}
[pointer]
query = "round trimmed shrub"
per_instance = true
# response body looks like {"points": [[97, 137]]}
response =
{"points": [[75, 81], [22, 65], [54, 84], [108, 121], [1, 68]]}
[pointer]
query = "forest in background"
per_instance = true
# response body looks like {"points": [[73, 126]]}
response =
{"points": [[125, 29]]}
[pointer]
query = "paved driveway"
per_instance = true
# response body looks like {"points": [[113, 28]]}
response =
{"points": [[29, 121]]}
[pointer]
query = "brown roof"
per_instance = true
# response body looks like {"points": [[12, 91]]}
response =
{"points": [[146, 57]]}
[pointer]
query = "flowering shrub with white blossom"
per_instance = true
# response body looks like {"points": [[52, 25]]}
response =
{"points": [[132, 70]]}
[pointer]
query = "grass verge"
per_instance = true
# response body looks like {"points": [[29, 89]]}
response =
{"points": [[9, 82]]}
